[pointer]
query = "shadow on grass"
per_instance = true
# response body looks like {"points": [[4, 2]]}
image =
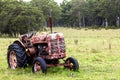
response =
{"points": [[50, 71]]}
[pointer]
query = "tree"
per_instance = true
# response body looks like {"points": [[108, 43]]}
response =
{"points": [[46, 6], [19, 17], [66, 13]]}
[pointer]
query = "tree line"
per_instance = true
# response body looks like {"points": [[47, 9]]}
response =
{"points": [[101, 13], [17, 16]]}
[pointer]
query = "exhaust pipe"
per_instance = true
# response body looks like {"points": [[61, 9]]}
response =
{"points": [[50, 23]]}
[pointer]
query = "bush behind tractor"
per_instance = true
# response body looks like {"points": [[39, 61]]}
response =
{"points": [[40, 51]]}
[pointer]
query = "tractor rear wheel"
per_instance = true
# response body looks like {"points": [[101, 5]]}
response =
{"points": [[16, 56], [72, 64], [39, 65]]}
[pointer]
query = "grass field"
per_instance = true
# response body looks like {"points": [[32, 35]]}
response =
{"points": [[97, 51]]}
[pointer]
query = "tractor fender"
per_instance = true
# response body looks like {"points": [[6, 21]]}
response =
{"points": [[19, 43]]}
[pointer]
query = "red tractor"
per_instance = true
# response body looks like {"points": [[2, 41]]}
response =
{"points": [[40, 51]]}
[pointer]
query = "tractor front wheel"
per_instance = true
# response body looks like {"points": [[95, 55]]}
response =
{"points": [[72, 64], [39, 65]]}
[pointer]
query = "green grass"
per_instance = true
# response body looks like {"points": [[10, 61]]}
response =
{"points": [[97, 51]]}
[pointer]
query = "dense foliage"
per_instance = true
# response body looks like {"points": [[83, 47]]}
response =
{"points": [[17, 16], [91, 12]]}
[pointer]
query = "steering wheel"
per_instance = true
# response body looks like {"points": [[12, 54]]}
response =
{"points": [[32, 34]]}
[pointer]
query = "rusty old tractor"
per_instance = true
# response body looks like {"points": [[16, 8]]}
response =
{"points": [[40, 51]]}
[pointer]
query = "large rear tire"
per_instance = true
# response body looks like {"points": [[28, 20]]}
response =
{"points": [[16, 56], [39, 65], [72, 64]]}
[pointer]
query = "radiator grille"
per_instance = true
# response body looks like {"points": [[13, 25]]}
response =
{"points": [[58, 45]]}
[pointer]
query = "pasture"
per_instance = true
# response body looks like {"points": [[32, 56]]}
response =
{"points": [[97, 51]]}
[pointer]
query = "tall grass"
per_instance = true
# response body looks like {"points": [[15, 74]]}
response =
{"points": [[97, 51]]}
